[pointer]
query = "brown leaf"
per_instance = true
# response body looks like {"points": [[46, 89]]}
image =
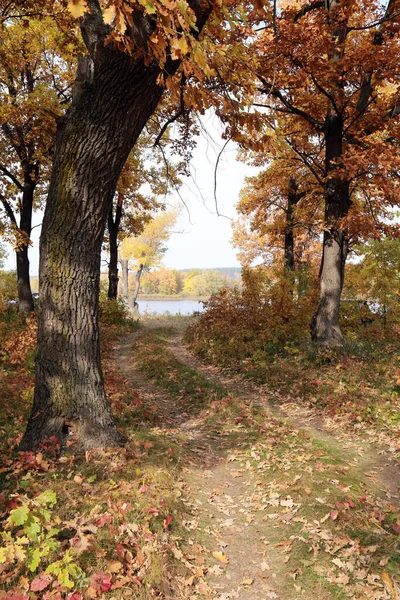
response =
{"points": [[114, 566]]}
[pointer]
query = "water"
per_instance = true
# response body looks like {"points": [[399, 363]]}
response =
{"points": [[172, 307]]}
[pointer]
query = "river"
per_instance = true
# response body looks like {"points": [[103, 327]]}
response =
{"points": [[172, 307]]}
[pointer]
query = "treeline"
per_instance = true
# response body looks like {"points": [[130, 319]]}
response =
{"points": [[193, 282]]}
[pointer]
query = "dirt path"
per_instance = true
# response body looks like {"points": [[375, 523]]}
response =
{"points": [[237, 546], [375, 464]]}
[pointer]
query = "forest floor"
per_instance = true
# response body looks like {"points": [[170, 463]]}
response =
{"points": [[282, 504], [226, 489]]}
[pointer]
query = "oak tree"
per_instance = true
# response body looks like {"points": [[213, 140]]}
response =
{"points": [[132, 50]]}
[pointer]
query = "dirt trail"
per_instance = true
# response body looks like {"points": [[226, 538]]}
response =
{"points": [[225, 500], [221, 498], [373, 464]]}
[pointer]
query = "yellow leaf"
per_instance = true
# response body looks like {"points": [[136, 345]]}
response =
{"points": [[108, 14], [247, 581], [77, 8], [388, 582], [220, 556]]}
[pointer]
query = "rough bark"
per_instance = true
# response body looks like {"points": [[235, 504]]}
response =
{"points": [[113, 229], [93, 142], [325, 329]]}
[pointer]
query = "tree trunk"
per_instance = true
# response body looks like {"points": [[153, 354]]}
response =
{"points": [[92, 145], [113, 230], [125, 284], [115, 96], [25, 299], [324, 325], [325, 329], [137, 287], [293, 199]]}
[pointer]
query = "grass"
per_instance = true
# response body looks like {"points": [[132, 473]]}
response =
{"points": [[358, 384]]}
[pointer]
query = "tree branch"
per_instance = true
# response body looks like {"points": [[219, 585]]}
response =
{"points": [[8, 174], [9, 210], [308, 8], [290, 107], [366, 87]]}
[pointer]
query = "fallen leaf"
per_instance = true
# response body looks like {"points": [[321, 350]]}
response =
{"points": [[220, 556], [114, 566]]}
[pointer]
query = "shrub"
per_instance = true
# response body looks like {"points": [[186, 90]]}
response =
{"points": [[261, 319], [112, 312]]}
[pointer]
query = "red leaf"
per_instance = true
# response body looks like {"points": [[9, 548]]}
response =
{"points": [[40, 583], [334, 515], [167, 522], [106, 583], [103, 520], [101, 582]]}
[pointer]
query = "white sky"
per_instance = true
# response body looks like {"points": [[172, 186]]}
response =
{"points": [[202, 239]]}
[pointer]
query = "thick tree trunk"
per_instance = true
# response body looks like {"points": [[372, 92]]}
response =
{"points": [[325, 329], [111, 105], [93, 143], [125, 284], [293, 199], [324, 325], [113, 229]]}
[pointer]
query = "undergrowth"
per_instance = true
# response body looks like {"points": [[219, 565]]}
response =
{"points": [[104, 524], [262, 334]]}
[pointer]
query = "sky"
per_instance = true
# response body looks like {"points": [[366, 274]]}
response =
{"points": [[201, 238]]}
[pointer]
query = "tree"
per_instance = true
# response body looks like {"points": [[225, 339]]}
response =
{"points": [[35, 83], [376, 276], [328, 68], [130, 213], [118, 87], [148, 175], [146, 250], [3, 255], [279, 211]]}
